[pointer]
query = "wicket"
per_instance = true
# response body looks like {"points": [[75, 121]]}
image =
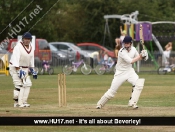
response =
{"points": [[62, 90]]}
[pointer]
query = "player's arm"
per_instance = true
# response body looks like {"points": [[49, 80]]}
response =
{"points": [[16, 57], [129, 59], [32, 62], [31, 67], [32, 70], [15, 62], [121, 30], [137, 58]]}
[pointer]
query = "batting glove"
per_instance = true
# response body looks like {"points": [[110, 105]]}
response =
{"points": [[21, 73], [34, 73], [144, 54]]}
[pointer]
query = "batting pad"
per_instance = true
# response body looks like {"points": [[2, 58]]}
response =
{"points": [[107, 96], [26, 94], [137, 90], [110, 94], [27, 82], [102, 101], [15, 94], [20, 97]]}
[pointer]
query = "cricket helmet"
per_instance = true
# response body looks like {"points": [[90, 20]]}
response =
{"points": [[127, 39], [27, 35]]}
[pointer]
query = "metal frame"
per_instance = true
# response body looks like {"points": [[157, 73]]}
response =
{"points": [[132, 19]]}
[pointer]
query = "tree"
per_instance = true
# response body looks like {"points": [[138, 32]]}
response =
{"points": [[76, 20], [19, 16]]}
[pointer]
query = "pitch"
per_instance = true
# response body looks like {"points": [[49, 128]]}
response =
{"points": [[83, 92]]}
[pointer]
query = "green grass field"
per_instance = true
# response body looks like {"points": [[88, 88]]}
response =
{"points": [[83, 92]]}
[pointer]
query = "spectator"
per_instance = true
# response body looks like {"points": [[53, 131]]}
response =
{"points": [[45, 65], [101, 56], [166, 53], [93, 55], [116, 50], [108, 60], [119, 41]]}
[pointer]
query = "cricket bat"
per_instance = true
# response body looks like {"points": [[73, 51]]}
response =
{"points": [[141, 36]]}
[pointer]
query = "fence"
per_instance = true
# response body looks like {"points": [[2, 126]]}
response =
{"points": [[150, 66], [154, 62]]}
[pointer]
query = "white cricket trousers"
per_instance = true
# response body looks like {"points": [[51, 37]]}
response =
{"points": [[24, 90], [119, 79]]}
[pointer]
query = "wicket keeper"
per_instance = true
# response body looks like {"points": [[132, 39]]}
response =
{"points": [[22, 60]]}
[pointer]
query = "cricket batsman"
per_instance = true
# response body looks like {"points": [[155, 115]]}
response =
{"points": [[124, 72], [22, 60]]}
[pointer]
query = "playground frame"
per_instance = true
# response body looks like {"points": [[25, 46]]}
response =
{"points": [[129, 20]]}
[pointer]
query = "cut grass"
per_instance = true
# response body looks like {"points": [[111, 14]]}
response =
{"points": [[83, 92]]}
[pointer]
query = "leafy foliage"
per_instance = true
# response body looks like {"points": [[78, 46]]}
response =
{"points": [[77, 20]]}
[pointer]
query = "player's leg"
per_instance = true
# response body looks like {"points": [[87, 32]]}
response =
{"points": [[138, 84], [131, 92], [27, 85], [136, 93], [104, 99], [132, 79], [17, 83], [91, 62], [25, 96], [20, 97], [15, 96], [116, 83]]}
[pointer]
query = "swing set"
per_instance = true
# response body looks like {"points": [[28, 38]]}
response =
{"points": [[131, 26]]}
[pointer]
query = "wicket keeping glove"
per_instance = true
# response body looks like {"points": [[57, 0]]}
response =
{"points": [[21, 73], [144, 54], [34, 73]]}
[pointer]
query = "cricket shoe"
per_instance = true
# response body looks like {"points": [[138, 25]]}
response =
{"points": [[16, 105], [22, 105], [27, 105], [98, 107], [133, 105]]}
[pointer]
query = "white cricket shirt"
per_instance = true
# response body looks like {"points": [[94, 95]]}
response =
{"points": [[94, 54], [22, 56], [125, 58]]}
